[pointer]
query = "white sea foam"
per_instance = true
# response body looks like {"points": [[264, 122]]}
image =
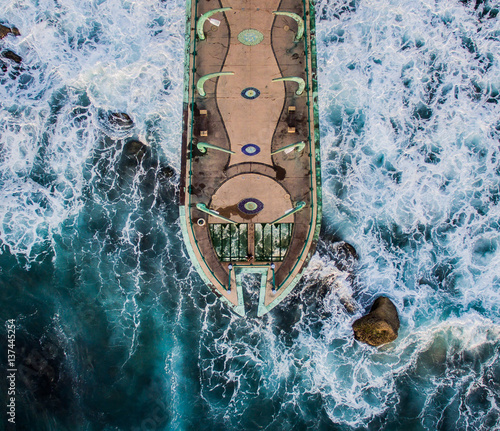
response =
{"points": [[410, 166], [410, 174], [113, 55]]}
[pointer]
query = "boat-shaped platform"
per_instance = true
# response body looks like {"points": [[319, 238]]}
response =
{"points": [[250, 193]]}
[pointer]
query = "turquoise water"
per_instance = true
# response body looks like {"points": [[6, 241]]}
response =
{"points": [[116, 331]]}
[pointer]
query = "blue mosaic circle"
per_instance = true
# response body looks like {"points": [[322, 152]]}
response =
{"points": [[250, 206], [250, 149], [250, 37], [250, 93]]}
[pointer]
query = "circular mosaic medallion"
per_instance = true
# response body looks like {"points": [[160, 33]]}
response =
{"points": [[250, 206], [250, 93], [250, 37], [250, 149]]}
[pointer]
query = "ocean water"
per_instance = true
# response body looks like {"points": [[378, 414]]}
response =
{"points": [[114, 328]]}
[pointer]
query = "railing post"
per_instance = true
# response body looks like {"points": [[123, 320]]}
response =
{"points": [[274, 280], [230, 267]]}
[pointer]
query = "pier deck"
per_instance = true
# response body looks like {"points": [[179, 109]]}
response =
{"points": [[250, 146]]}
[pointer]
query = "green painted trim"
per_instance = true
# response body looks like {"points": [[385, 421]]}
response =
{"points": [[190, 250], [298, 145], [314, 62], [189, 102], [263, 309], [202, 147], [202, 19], [203, 208], [317, 159], [297, 79], [264, 272], [203, 79], [300, 23], [297, 208]]}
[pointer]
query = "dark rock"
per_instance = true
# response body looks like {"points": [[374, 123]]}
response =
{"points": [[341, 253], [166, 172], [328, 280], [135, 149], [380, 325], [120, 119], [4, 31], [12, 56], [115, 125], [345, 256]]}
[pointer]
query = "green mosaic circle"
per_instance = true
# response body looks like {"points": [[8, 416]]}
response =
{"points": [[250, 37], [251, 206]]}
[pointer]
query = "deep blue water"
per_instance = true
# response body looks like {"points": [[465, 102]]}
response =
{"points": [[114, 328]]}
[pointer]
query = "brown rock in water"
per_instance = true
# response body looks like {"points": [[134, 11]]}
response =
{"points": [[4, 31], [120, 119], [12, 56], [380, 325]]}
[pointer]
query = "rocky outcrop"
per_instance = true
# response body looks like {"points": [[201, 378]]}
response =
{"points": [[328, 279], [12, 56], [344, 256], [380, 325], [120, 119], [4, 31]]}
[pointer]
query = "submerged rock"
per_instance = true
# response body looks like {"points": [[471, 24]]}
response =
{"points": [[345, 256], [166, 172], [135, 149], [120, 119], [4, 31], [12, 56], [115, 125], [380, 325], [328, 281]]}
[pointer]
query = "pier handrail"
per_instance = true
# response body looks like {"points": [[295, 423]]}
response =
{"points": [[204, 17], [312, 157], [203, 208], [297, 79], [202, 147], [203, 79], [193, 88], [300, 22]]}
